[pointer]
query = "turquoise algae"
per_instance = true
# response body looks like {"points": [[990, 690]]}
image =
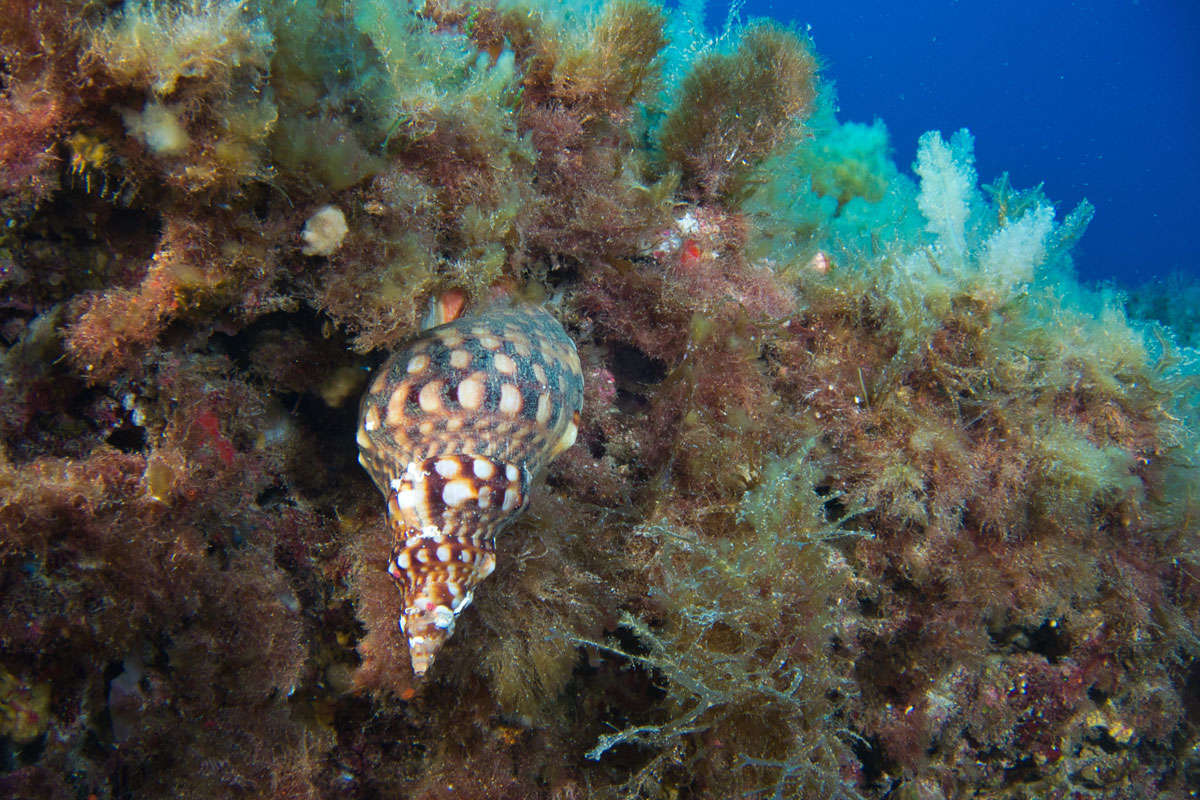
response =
{"points": [[870, 496]]}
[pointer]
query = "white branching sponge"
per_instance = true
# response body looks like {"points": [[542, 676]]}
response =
{"points": [[1011, 254], [947, 182]]}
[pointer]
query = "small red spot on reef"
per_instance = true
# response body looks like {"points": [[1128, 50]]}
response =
{"points": [[690, 254], [209, 423]]}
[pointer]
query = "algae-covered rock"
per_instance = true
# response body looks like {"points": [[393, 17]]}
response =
{"points": [[870, 496]]}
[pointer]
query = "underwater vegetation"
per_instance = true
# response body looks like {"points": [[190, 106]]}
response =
{"points": [[870, 496]]}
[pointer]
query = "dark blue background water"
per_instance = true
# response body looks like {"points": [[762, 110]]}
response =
{"points": [[1098, 100]]}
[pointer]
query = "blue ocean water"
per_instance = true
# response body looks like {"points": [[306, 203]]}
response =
{"points": [[1096, 100]]}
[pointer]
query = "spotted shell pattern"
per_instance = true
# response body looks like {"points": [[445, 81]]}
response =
{"points": [[453, 430]]}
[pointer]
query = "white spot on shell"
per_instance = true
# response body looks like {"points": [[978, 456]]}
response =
{"points": [[568, 437], [444, 618], [510, 472], [457, 492], [406, 499], [446, 467], [430, 396], [470, 393], [417, 363], [489, 342], [444, 553], [510, 399], [504, 364], [403, 561], [483, 469], [543, 408], [395, 406], [511, 499], [566, 440], [460, 359]]}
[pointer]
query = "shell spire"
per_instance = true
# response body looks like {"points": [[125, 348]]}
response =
{"points": [[453, 430]]}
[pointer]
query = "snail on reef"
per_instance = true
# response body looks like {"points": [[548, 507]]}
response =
{"points": [[453, 430]]}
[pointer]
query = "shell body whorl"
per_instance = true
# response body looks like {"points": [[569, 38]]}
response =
{"points": [[453, 430]]}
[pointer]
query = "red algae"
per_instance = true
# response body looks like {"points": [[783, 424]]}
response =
{"points": [[869, 498]]}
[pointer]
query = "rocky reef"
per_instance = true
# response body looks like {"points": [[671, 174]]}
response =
{"points": [[871, 497]]}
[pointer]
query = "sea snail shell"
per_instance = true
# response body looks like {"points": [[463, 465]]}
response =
{"points": [[453, 430]]}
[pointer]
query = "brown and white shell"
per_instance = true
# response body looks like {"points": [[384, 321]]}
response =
{"points": [[453, 431]]}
